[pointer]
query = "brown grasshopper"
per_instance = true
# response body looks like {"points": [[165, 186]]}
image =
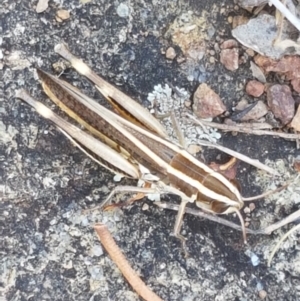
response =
{"points": [[131, 142]]}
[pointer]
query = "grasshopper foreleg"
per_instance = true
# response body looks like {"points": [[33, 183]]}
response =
{"points": [[178, 225]]}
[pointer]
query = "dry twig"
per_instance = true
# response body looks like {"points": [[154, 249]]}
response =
{"points": [[280, 242], [119, 259], [243, 128], [284, 10]]}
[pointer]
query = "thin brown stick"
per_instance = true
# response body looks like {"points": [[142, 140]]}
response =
{"points": [[244, 129], [119, 259]]}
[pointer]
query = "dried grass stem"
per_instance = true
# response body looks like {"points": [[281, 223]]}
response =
{"points": [[120, 260]]}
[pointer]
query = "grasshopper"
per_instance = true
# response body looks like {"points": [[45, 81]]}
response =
{"points": [[132, 143]]}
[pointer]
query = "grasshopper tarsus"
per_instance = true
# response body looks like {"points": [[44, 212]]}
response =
{"points": [[178, 225], [128, 202], [183, 244]]}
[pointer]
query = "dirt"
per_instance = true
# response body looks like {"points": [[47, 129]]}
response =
{"points": [[48, 247]]}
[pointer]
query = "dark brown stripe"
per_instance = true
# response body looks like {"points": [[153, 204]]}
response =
{"points": [[195, 172], [95, 121]]}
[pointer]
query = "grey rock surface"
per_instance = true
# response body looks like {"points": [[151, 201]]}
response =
{"points": [[48, 249]]}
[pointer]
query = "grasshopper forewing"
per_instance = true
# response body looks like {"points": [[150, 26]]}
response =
{"points": [[131, 147]]}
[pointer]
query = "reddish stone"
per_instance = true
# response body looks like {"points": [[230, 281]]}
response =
{"points": [[207, 103], [229, 44], [288, 65], [281, 102], [230, 58], [255, 88]]}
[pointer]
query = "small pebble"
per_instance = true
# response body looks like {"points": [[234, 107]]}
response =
{"points": [[194, 149], [42, 5], [257, 73], [216, 47], [123, 10], [230, 58], [255, 88], [145, 207], [188, 103], [251, 206], [281, 102], [170, 53], [247, 210], [255, 260], [250, 52], [259, 286], [62, 15], [262, 294], [207, 103]]}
